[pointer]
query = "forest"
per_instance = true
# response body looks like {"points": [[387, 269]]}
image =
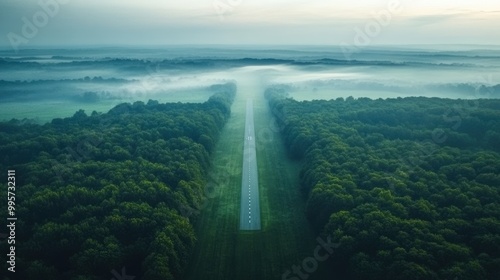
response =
{"points": [[116, 191], [409, 187]]}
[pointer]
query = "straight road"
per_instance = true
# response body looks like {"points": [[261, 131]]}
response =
{"points": [[250, 206]]}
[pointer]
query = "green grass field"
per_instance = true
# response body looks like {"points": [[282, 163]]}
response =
{"points": [[224, 252], [45, 111], [328, 93]]}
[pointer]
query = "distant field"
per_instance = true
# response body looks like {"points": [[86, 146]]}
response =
{"points": [[45, 111], [327, 94]]}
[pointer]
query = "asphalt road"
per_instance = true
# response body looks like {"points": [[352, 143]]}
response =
{"points": [[250, 207]]}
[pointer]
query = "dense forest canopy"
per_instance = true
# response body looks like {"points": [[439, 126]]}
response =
{"points": [[109, 191], [409, 187]]}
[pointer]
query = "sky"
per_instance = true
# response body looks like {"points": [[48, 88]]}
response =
{"points": [[361, 23]]}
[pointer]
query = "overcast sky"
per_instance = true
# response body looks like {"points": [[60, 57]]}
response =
{"points": [[281, 22]]}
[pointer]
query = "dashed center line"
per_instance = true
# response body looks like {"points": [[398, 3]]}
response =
{"points": [[250, 174]]}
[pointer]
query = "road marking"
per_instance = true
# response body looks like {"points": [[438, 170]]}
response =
{"points": [[249, 153]]}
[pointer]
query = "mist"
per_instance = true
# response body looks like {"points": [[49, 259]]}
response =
{"points": [[100, 79]]}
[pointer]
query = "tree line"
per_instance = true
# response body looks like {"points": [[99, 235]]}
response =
{"points": [[102, 192], [409, 187]]}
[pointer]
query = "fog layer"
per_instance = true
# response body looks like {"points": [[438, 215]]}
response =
{"points": [[92, 78]]}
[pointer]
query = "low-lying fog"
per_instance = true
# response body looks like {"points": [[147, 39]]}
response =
{"points": [[35, 84]]}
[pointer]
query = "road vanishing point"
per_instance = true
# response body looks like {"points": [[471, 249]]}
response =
{"points": [[250, 206]]}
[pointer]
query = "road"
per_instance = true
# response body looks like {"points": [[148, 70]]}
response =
{"points": [[250, 207]]}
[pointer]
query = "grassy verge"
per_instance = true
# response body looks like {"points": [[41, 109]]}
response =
{"points": [[217, 229]]}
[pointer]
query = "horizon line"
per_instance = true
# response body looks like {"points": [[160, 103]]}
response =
{"points": [[4, 48]]}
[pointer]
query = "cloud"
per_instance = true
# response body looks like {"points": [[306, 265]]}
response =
{"points": [[94, 22], [433, 19]]}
